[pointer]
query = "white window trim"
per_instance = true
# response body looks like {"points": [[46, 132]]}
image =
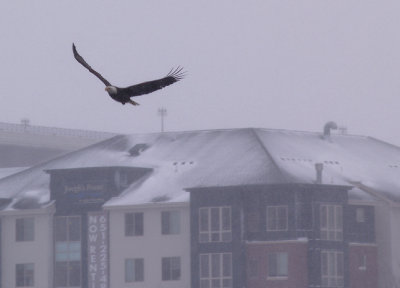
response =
{"points": [[134, 215], [363, 264], [134, 271], [336, 278], [170, 269], [24, 223], [170, 220], [280, 277], [276, 207], [221, 277], [335, 230], [360, 215], [220, 231], [24, 274]]}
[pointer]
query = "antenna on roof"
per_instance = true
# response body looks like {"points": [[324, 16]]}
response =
{"points": [[162, 112], [328, 127], [25, 122]]}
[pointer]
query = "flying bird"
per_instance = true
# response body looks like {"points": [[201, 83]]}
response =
{"points": [[123, 95]]}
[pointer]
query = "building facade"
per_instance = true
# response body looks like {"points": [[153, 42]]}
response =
{"points": [[281, 236], [204, 209]]}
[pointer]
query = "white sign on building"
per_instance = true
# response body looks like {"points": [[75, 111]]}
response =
{"points": [[98, 250]]}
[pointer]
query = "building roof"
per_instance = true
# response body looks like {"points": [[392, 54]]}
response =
{"points": [[24, 145], [234, 157]]}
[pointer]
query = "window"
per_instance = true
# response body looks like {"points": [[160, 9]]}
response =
{"points": [[24, 275], [215, 224], [134, 270], [331, 222], [278, 264], [171, 268], [133, 224], [362, 262], [360, 215], [277, 218], [332, 268], [170, 222], [25, 229], [216, 270], [67, 252]]}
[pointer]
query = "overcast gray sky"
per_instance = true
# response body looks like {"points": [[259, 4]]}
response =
{"points": [[272, 64]]}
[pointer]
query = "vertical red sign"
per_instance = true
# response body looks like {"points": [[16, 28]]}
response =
{"points": [[98, 250]]}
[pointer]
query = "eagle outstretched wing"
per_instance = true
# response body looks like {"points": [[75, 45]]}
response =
{"points": [[87, 66], [150, 86]]}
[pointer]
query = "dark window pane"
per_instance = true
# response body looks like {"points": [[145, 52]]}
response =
{"points": [[339, 220], [74, 274], [331, 218], [139, 224], [215, 237], [171, 268], [227, 265], [282, 218], [61, 274], [129, 224], [226, 218], [272, 265], [204, 237], [215, 226], [139, 269], [216, 283], [176, 268], [19, 275], [24, 275], [29, 229], [215, 265], [175, 222], [29, 274], [165, 263], [324, 263], [324, 217], [24, 228], [204, 283], [204, 266], [339, 264], [19, 229]]}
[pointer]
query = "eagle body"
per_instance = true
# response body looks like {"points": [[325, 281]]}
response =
{"points": [[123, 95], [118, 94]]}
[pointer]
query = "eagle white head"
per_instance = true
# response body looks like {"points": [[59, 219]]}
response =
{"points": [[111, 90]]}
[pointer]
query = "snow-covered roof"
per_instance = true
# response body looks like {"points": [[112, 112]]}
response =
{"points": [[4, 172], [233, 157]]}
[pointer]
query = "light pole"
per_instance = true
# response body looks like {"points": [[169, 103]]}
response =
{"points": [[162, 112]]}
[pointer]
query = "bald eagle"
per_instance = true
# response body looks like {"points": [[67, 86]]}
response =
{"points": [[123, 95]]}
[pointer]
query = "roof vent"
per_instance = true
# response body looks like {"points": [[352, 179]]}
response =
{"points": [[318, 168], [138, 148], [328, 127], [162, 198]]}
